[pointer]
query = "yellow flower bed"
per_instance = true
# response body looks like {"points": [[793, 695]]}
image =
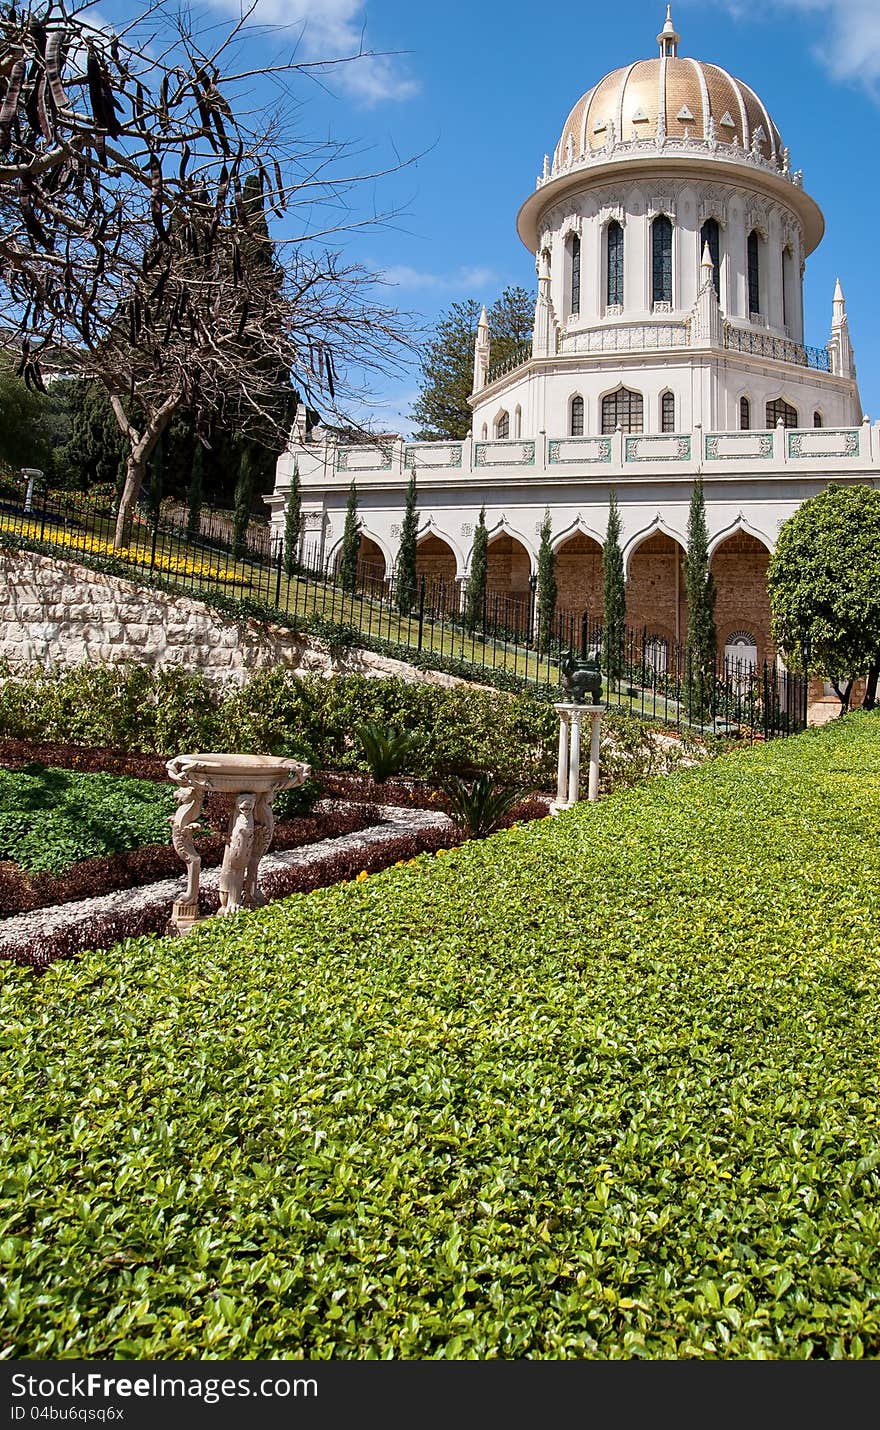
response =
{"points": [[138, 553]]}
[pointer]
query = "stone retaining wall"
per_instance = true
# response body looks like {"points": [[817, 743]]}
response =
{"points": [[58, 613]]}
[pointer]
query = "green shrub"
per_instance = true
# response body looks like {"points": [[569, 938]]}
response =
{"points": [[50, 819], [604, 1086], [386, 750], [478, 806]]}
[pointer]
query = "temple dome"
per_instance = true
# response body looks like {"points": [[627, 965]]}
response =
{"points": [[685, 97]]}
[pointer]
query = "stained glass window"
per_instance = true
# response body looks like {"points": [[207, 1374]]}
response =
{"points": [[577, 417], [667, 412], [781, 409], [754, 274], [745, 414], [502, 426], [623, 408], [615, 263], [575, 274], [661, 252]]}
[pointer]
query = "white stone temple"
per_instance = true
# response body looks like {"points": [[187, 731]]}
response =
{"points": [[670, 234]]}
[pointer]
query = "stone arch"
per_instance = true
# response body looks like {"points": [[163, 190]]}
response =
{"points": [[741, 524], [509, 566], [375, 561], [579, 573], [738, 563], [439, 563], [655, 597]]}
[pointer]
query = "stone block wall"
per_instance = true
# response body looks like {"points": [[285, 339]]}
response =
{"points": [[58, 613]]}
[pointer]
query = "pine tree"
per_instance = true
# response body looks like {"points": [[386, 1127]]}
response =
{"points": [[614, 596], [547, 591], [442, 409], [292, 525], [701, 650], [407, 580], [351, 543], [244, 491], [196, 493], [475, 596]]}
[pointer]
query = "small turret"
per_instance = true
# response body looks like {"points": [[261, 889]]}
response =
{"points": [[481, 352], [840, 348]]}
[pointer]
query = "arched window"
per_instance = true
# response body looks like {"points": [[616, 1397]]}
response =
{"points": [[661, 260], [517, 421], [576, 425], [711, 234], [575, 261], [656, 654], [745, 414], [614, 255], [781, 411], [502, 426], [754, 274], [667, 412], [817, 419], [623, 408]]}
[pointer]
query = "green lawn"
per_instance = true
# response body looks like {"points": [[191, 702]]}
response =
{"points": [[604, 1086]]}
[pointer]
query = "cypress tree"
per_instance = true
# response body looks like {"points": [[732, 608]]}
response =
{"points": [[195, 493], [157, 478], [244, 490], [292, 524], [475, 597], [406, 557], [614, 596], [701, 650], [351, 542], [547, 591]]}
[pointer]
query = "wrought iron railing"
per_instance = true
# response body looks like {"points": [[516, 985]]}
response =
{"points": [[746, 340], [518, 358], [429, 621]]}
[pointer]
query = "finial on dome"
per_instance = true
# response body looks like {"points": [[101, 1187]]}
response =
{"points": [[669, 39]]}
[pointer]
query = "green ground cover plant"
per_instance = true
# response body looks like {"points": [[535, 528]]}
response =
{"points": [[50, 819], [601, 1086]]}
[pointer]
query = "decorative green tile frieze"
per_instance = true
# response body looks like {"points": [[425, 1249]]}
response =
{"points": [[382, 463], [848, 445], [595, 449], [415, 450], [521, 454], [758, 445], [634, 448]]}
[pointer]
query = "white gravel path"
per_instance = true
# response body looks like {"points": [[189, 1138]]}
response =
{"points": [[26, 933]]}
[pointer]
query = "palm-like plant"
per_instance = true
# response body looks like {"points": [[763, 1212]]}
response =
{"points": [[385, 750], [479, 805]]}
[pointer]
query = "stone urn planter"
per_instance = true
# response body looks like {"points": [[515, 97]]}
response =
{"points": [[254, 780]]}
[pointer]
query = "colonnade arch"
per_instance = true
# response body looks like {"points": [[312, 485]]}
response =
{"points": [[742, 607]]}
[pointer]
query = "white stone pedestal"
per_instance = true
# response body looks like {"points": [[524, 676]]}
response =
{"points": [[568, 772]]}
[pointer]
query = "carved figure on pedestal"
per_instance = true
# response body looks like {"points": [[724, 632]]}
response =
{"points": [[264, 828], [237, 854]]}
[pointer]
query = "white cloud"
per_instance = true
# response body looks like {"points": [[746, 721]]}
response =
{"points": [[464, 280], [850, 44], [333, 30]]}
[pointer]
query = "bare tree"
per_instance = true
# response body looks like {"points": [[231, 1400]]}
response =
{"points": [[133, 196]]}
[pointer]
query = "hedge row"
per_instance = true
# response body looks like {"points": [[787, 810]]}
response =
{"points": [[604, 1086], [21, 892], [134, 709]]}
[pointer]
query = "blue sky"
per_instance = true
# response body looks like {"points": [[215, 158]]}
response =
{"points": [[480, 92]]}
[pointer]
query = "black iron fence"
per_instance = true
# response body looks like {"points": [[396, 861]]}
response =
{"points": [[429, 620]]}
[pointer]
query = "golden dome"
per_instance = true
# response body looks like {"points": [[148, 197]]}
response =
{"points": [[685, 98]]}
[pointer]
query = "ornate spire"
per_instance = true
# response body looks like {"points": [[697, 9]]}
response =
{"points": [[481, 352], [669, 39], [840, 348]]}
